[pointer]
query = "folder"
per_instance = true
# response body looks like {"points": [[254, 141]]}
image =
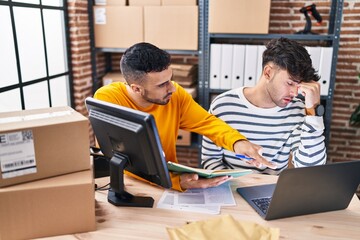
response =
{"points": [[325, 69], [207, 173], [250, 65], [238, 66], [226, 66], [314, 53], [260, 50], [215, 65]]}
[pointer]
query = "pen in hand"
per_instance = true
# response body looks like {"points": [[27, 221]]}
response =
{"points": [[250, 158], [243, 157]]}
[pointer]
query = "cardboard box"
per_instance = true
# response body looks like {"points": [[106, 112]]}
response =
{"points": [[179, 2], [54, 206], [184, 138], [184, 70], [110, 2], [118, 26], [144, 2], [239, 16], [42, 143], [185, 74], [111, 77], [172, 27]]}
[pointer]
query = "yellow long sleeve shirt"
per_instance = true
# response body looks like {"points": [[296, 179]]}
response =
{"points": [[182, 112]]}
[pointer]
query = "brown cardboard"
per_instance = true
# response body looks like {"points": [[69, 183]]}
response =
{"points": [[111, 2], [118, 26], [172, 27], [144, 2], [54, 206], [184, 70], [184, 138], [179, 2], [42, 143], [111, 77], [185, 74], [184, 81], [239, 16]]}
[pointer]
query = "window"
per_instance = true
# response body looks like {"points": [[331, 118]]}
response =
{"points": [[34, 55]]}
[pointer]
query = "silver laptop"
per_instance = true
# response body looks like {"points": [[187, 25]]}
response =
{"points": [[307, 190]]}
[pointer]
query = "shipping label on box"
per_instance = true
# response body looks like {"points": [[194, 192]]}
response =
{"points": [[100, 2], [110, 2], [17, 154], [42, 143], [118, 26], [100, 15]]}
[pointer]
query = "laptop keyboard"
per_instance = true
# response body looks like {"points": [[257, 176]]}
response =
{"points": [[262, 203]]}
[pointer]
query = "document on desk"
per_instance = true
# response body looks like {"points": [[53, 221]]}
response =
{"points": [[207, 200]]}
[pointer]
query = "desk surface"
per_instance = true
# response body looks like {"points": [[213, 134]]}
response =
{"points": [[150, 223]]}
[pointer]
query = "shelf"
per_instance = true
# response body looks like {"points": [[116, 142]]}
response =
{"points": [[329, 39], [302, 37], [175, 52]]}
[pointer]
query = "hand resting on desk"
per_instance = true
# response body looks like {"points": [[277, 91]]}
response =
{"points": [[192, 180]]}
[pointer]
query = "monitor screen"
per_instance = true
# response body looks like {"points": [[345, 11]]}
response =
{"points": [[130, 139]]}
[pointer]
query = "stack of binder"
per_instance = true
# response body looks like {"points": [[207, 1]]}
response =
{"points": [[233, 65], [321, 58]]}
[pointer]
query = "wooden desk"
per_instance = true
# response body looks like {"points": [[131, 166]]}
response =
{"points": [[150, 223]]}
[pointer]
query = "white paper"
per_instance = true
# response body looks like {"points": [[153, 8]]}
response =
{"points": [[100, 15], [207, 200]]}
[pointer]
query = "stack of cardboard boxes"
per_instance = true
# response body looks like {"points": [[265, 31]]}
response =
{"points": [[168, 24], [186, 75], [46, 183]]}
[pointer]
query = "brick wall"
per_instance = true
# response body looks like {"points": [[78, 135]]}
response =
{"points": [[344, 139], [284, 18]]}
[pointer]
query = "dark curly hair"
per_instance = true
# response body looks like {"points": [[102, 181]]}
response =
{"points": [[143, 58], [291, 56]]}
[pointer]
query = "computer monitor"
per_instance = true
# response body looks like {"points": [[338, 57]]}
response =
{"points": [[129, 138]]}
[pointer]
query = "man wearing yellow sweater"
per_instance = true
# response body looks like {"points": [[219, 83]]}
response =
{"points": [[149, 88]]}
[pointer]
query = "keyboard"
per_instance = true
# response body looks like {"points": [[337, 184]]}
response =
{"points": [[262, 203]]}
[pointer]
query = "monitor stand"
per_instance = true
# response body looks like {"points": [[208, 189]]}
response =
{"points": [[117, 195]]}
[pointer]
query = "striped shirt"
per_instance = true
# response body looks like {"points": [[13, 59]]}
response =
{"points": [[281, 132]]}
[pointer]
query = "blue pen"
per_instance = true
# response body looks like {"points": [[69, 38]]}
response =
{"points": [[243, 157]]}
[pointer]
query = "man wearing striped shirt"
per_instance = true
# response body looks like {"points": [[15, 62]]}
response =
{"points": [[272, 115]]}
